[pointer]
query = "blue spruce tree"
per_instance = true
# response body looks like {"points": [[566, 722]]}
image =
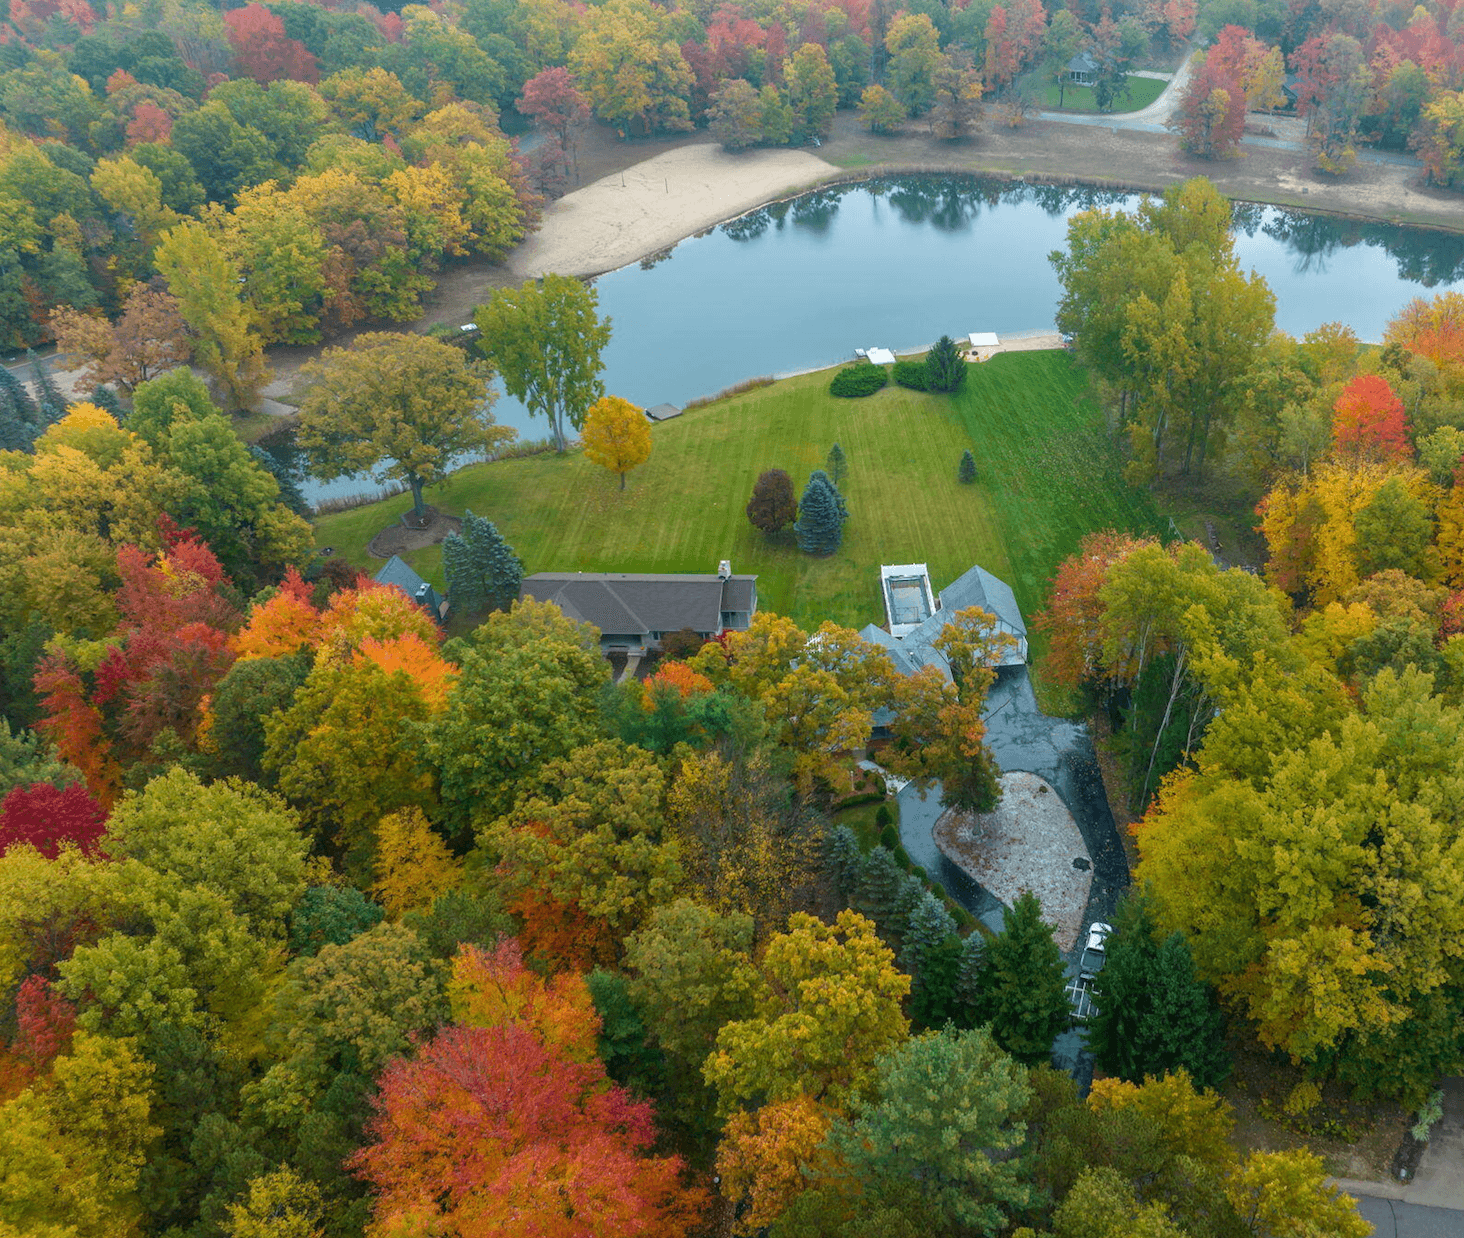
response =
{"points": [[482, 571], [50, 401], [19, 420], [821, 516]]}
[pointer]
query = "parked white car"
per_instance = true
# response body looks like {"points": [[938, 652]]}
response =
{"points": [[1095, 951]]}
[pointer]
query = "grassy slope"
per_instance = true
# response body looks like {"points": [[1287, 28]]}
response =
{"points": [[1048, 475]]}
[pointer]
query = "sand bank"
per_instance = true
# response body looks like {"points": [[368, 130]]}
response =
{"points": [[626, 216]]}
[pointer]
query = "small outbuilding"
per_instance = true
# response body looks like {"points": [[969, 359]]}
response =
{"points": [[663, 412], [1082, 69]]}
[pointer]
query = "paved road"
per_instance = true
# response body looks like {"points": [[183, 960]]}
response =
{"points": [[1392, 1218], [1154, 118]]}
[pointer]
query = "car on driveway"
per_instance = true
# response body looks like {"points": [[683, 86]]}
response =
{"points": [[1095, 950]]}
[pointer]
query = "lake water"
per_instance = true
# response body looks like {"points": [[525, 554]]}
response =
{"points": [[896, 263]]}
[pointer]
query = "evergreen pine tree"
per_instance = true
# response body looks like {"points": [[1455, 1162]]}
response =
{"points": [[290, 493], [907, 897], [880, 881], [944, 368], [106, 400], [821, 516], [1022, 991], [934, 996], [973, 962], [1154, 1015], [927, 925], [966, 473], [19, 421], [837, 466], [482, 571], [49, 400], [845, 859]]}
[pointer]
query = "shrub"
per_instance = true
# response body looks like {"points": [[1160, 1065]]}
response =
{"points": [[911, 374], [854, 381], [682, 644], [966, 472], [883, 818], [889, 838]]}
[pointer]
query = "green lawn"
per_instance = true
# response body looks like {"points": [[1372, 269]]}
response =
{"points": [[1047, 475], [1142, 91]]}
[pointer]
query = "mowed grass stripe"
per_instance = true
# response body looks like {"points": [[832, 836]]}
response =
{"points": [[1023, 415], [1047, 461]]}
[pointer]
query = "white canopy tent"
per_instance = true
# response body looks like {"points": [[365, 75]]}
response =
{"points": [[881, 356], [984, 339]]}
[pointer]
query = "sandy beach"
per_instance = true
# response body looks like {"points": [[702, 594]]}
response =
{"points": [[627, 215]]}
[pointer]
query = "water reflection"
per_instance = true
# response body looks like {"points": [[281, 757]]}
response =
{"points": [[954, 205]]}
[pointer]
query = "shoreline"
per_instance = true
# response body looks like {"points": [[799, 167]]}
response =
{"points": [[658, 202], [854, 176]]}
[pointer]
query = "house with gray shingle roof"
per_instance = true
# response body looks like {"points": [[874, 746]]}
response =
{"points": [[636, 611], [399, 574], [914, 647]]}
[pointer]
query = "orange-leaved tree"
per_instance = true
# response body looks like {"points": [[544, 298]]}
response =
{"points": [[1369, 420], [492, 987], [490, 1131]]}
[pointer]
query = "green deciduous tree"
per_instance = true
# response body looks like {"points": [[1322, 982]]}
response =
{"points": [[545, 339], [879, 110], [813, 92], [404, 406], [832, 1007], [74, 1150], [524, 695], [205, 285], [913, 45], [734, 115]]}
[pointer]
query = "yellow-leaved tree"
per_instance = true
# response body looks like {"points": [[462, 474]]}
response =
{"points": [[617, 435], [413, 865]]}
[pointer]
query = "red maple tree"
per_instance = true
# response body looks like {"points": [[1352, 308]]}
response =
{"points": [[263, 52], [488, 1131], [44, 1023], [1369, 420], [47, 818]]}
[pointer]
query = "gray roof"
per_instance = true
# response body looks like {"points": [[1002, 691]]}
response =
{"points": [[397, 572], [662, 412], [1083, 62], [976, 587], [622, 603]]}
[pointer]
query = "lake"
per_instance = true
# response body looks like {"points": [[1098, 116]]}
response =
{"points": [[897, 262]]}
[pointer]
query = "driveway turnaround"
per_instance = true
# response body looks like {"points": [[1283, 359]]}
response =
{"points": [[1023, 738]]}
